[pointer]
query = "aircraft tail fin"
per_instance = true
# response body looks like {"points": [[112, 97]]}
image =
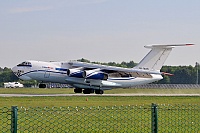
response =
{"points": [[155, 59]]}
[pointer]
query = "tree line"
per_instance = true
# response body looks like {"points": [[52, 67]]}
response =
{"points": [[181, 74]]}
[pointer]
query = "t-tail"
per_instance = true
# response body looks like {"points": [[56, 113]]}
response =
{"points": [[155, 59]]}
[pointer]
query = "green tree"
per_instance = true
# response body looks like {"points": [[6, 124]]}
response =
{"points": [[83, 60], [183, 75], [6, 75]]}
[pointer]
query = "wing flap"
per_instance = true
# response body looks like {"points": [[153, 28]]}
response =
{"points": [[129, 74]]}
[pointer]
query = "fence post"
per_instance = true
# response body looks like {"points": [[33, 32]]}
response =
{"points": [[154, 118], [14, 119]]}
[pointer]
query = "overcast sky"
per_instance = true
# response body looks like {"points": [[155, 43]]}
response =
{"points": [[98, 30]]}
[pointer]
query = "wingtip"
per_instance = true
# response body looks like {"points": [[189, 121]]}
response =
{"points": [[189, 44], [167, 74]]}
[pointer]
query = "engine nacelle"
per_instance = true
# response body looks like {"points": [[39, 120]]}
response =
{"points": [[95, 74], [75, 73]]}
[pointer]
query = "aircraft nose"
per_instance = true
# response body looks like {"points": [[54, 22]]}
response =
{"points": [[14, 69], [20, 73]]}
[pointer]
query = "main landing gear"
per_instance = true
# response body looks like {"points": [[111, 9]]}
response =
{"points": [[42, 85], [78, 90], [88, 91], [99, 91]]}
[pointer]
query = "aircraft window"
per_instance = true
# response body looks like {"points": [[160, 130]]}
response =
{"points": [[25, 64]]}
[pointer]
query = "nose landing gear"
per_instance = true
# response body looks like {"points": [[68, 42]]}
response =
{"points": [[42, 85]]}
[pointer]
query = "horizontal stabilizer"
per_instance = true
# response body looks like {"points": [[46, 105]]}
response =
{"points": [[166, 46], [155, 59]]}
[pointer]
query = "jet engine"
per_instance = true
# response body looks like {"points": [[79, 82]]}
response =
{"points": [[95, 74], [78, 73]]}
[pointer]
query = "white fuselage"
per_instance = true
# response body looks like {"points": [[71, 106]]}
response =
{"points": [[56, 72]]}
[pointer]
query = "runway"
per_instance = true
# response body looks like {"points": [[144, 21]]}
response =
{"points": [[68, 95]]}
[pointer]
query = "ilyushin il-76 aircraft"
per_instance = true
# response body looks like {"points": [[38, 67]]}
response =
{"points": [[94, 78]]}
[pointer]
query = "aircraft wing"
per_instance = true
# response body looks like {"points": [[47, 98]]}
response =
{"points": [[114, 71]]}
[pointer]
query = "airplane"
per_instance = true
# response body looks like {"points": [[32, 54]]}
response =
{"points": [[95, 78]]}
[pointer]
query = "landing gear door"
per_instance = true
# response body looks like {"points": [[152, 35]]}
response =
{"points": [[47, 73]]}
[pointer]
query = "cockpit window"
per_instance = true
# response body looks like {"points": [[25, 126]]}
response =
{"points": [[25, 63]]}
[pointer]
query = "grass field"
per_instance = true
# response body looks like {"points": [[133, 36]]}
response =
{"points": [[113, 91], [101, 113], [98, 100]]}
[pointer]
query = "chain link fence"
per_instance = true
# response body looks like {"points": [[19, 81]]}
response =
{"points": [[179, 118], [5, 119], [167, 86], [132, 118]]}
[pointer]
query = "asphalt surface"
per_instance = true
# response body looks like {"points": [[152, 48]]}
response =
{"points": [[60, 95]]}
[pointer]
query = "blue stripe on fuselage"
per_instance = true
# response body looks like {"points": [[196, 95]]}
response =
{"points": [[41, 71], [61, 69]]}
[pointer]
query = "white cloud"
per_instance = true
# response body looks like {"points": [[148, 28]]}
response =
{"points": [[55, 5], [83, 2], [29, 9], [97, 1]]}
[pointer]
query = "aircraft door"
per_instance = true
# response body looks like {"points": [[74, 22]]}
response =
{"points": [[47, 73]]}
